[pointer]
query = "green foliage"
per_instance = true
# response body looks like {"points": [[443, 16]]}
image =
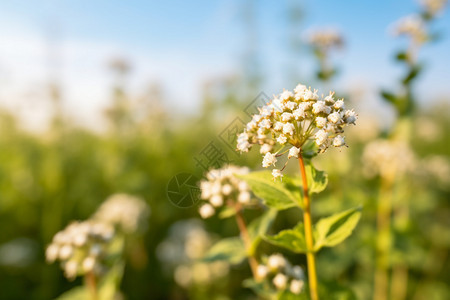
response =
{"points": [[332, 230], [231, 249], [291, 239], [317, 180], [275, 194]]}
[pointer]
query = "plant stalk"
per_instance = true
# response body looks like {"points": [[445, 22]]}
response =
{"points": [[246, 239], [91, 282], [307, 220]]}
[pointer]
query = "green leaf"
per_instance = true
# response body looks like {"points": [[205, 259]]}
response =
{"points": [[230, 249], [401, 56], [333, 230], [275, 194], [259, 227], [291, 239], [389, 97], [317, 180], [415, 70]]}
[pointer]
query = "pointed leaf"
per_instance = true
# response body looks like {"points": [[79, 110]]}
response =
{"points": [[230, 249], [291, 239], [333, 230], [275, 194], [317, 180]]}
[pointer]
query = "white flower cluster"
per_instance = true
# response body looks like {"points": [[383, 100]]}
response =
{"points": [[222, 187], [182, 250], [412, 26], [127, 212], [295, 118], [387, 158], [282, 274], [433, 7], [81, 247], [325, 38]]}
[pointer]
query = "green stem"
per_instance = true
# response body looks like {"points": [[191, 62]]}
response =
{"points": [[307, 220]]}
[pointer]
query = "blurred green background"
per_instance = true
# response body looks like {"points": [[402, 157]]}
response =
{"points": [[63, 171]]}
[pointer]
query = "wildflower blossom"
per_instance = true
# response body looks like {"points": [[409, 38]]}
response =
{"points": [[325, 38], [127, 212], [81, 247], [297, 118], [222, 187], [412, 26], [281, 274], [387, 158]]}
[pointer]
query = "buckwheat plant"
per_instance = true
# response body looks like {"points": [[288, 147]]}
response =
{"points": [[418, 30], [301, 124], [82, 249], [223, 190], [278, 275], [323, 42], [95, 248]]}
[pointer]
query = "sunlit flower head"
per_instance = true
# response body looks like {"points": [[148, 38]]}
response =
{"points": [[280, 274], [223, 188], [81, 247], [295, 120]]}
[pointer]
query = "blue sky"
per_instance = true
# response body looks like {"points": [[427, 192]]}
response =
{"points": [[183, 43]]}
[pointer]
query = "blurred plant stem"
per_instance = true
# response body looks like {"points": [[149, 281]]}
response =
{"points": [[246, 239], [91, 283], [383, 238], [310, 256]]}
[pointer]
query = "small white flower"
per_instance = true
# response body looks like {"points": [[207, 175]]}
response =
{"points": [[269, 159], [350, 117], [88, 264], [282, 139], [227, 189], [339, 104], [243, 186], [216, 200], [276, 261], [296, 286], [288, 128], [321, 122], [261, 271], [285, 117], [65, 252], [300, 89], [291, 105], [293, 152], [298, 114], [329, 99], [80, 239], [338, 141], [206, 211], [265, 148], [244, 197], [334, 117], [71, 269], [276, 173], [321, 137], [51, 253], [280, 281], [285, 95], [265, 124], [278, 126], [319, 107]]}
